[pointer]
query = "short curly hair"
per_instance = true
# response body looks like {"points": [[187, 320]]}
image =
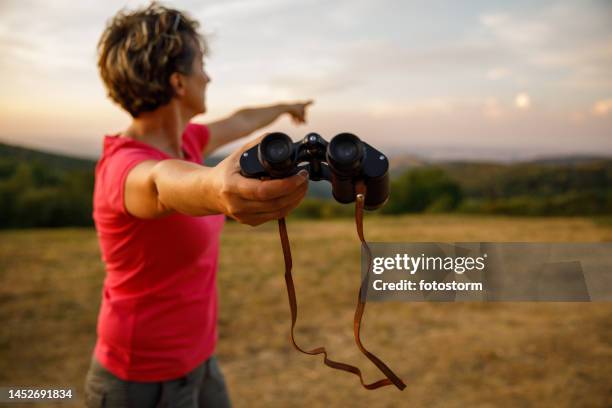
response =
{"points": [[139, 50]]}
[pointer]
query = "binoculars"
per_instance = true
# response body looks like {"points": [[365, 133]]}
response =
{"points": [[343, 161]]}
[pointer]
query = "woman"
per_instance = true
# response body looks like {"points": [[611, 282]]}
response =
{"points": [[158, 214]]}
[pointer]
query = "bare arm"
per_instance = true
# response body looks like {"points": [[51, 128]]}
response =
{"points": [[247, 120], [157, 188]]}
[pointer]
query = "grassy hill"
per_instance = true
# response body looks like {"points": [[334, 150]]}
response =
{"points": [[546, 176], [10, 153]]}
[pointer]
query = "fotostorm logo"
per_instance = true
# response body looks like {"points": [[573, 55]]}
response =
{"points": [[413, 264]]}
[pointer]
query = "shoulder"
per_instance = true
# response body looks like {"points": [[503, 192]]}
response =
{"points": [[195, 138], [122, 152], [196, 129], [119, 156]]}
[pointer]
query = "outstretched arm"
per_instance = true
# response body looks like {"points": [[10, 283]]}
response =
{"points": [[247, 120], [156, 188]]}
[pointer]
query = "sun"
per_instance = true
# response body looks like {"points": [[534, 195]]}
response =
{"points": [[522, 100]]}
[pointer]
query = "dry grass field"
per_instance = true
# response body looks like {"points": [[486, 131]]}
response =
{"points": [[450, 355]]}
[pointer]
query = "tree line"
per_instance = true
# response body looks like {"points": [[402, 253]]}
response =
{"points": [[41, 190], [539, 189]]}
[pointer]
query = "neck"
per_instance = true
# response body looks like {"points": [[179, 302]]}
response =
{"points": [[162, 128]]}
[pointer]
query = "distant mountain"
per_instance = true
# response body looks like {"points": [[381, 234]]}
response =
{"points": [[63, 162], [569, 160], [399, 164], [546, 176]]}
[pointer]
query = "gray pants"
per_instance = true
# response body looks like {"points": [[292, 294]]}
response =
{"points": [[202, 387]]}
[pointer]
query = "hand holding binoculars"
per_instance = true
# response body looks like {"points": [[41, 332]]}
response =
{"points": [[343, 162]]}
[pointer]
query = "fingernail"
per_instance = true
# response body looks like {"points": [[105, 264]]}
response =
{"points": [[303, 173]]}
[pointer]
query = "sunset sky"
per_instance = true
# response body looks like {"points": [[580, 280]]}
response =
{"points": [[501, 80]]}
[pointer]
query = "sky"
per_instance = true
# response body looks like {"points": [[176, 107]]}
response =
{"points": [[440, 79]]}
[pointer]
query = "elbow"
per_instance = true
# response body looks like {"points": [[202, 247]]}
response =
{"points": [[157, 191], [243, 123]]}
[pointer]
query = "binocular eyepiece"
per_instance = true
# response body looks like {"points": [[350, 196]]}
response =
{"points": [[275, 153], [343, 161]]}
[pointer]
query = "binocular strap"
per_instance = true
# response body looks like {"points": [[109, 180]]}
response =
{"points": [[391, 379]]}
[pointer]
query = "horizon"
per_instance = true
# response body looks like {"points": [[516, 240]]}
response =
{"points": [[484, 80], [431, 156]]}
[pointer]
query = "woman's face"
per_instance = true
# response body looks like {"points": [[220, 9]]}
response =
{"points": [[196, 82]]}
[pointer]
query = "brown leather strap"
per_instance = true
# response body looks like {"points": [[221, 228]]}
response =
{"points": [[391, 379], [360, 189]]}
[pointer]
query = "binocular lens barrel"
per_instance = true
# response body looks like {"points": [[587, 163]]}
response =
{"points": [[276, 153], [345, 153], [276, 147]]}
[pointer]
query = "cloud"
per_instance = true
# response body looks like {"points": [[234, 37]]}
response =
{"points": [[516, 32], [232, 9], [492, 108], [564, 45], [459, 55], [427, 107], [442, 106], [497, 73]]}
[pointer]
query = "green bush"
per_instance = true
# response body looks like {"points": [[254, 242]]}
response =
{"points": [[594, 202], [316, 208], [34, 194], [423, 189]]}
